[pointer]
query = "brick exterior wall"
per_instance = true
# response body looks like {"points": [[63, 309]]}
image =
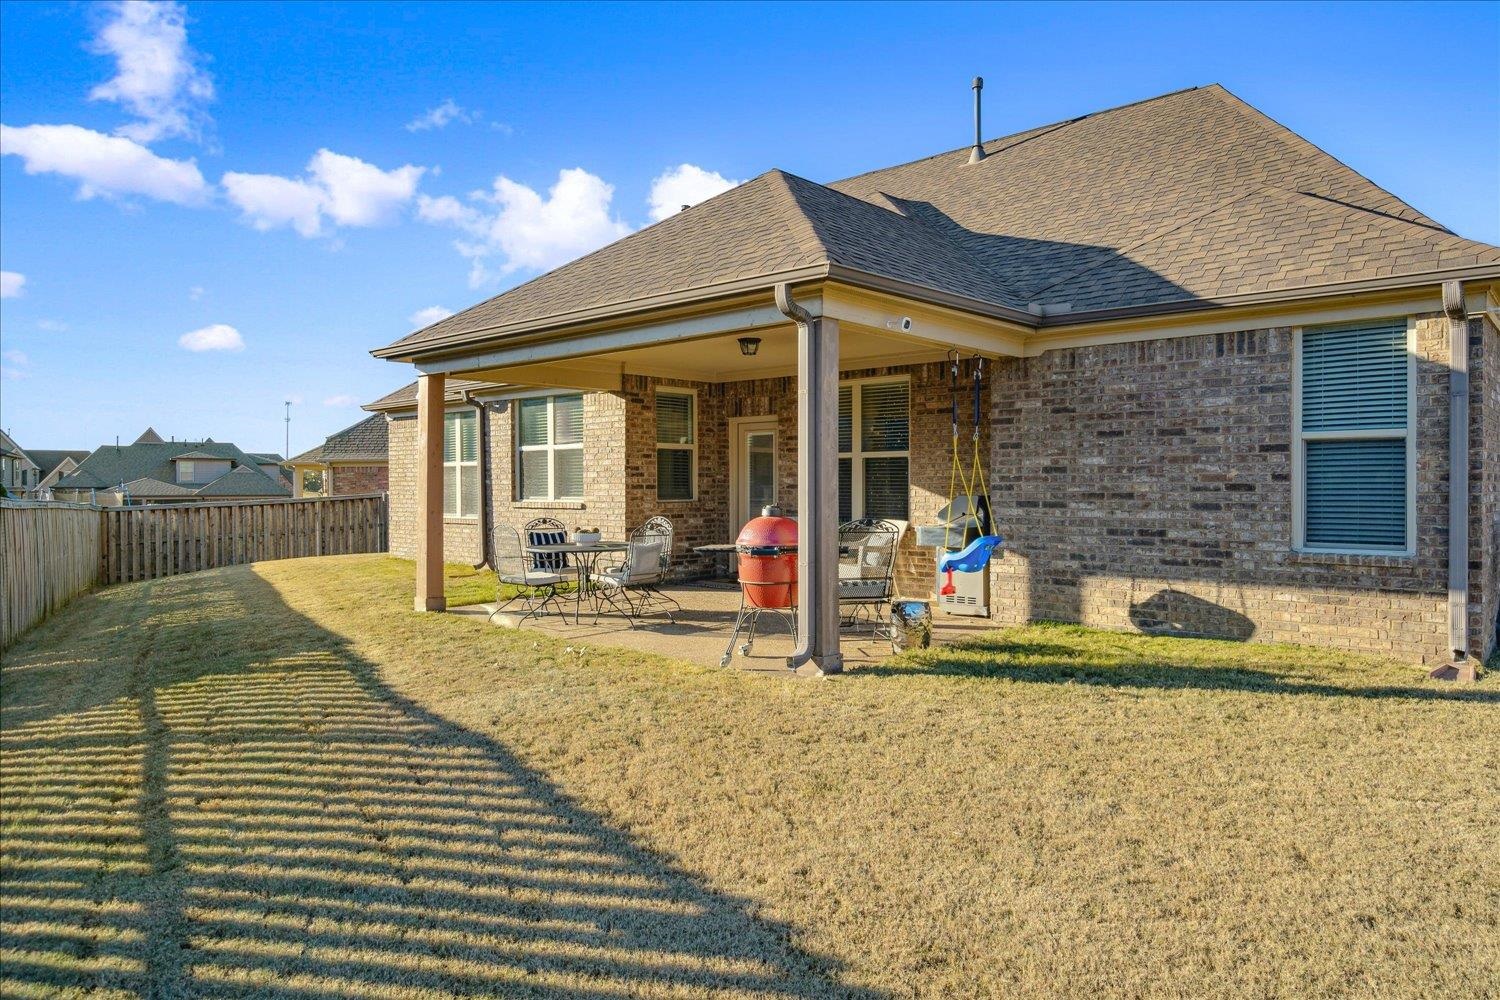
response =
{"points": [[1149, 486], [1484, 473], [1140, 486], [347, 480]]}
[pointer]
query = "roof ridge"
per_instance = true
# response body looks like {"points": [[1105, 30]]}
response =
{"points": [[1300, 144], [1026, 132]]}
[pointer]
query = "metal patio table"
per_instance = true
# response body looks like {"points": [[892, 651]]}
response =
{"points": [[586, 562]]}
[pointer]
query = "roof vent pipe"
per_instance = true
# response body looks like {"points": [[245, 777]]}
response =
{"points": [[977, 153]]}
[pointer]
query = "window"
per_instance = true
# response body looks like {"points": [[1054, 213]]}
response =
{"points": [[874, 449], [1355, 456], [549, 448], [461, 464], [676, 445], [199, 471]]}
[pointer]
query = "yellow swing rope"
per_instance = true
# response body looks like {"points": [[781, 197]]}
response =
{"points": [[957, 476]]}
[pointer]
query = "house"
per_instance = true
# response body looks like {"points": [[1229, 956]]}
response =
{"points": [[349, 461], [18, 471], [52, 464], [152, 471], [1231, 387]]}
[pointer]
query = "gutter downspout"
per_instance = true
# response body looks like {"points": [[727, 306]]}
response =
{"points": [[486, 557], [1462, 667], [817, 486]]}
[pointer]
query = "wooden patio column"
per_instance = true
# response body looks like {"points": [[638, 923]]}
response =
{"points": [[818, 491], [430, 494]]}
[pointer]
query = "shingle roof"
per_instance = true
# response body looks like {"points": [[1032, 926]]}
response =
{"points": [[109, 466], [244, 481], [367, 441], [48, 459], [1184, 198], [406, 396]]}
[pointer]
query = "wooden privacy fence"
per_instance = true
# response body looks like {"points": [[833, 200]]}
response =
{"points": [[49, 554], [54, 551], [143, 543]]}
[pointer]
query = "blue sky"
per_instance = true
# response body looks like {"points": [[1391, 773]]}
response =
{"points": [[285, 187]]}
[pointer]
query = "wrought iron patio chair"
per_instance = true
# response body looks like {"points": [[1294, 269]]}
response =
{"points": [[515, 568], [634, 587], [867, 562]]}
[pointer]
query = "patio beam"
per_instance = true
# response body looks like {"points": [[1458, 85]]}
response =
{"points": [[817, 487], [534, 352], [429, 591]]}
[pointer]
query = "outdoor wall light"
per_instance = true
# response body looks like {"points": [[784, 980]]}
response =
{"points": [[749, 346]]}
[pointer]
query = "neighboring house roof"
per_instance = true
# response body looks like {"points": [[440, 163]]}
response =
{"points": [[244, 481], [266, 457], [1181, 200], [149, 436], [406, 396], [366, 441], [109, 466], [156, 488], [48, 459]]}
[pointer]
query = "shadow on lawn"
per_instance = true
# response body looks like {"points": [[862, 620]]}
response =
{"points": [[1134, 663], [287, 826]]}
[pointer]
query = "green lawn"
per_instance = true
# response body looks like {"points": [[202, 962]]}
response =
{"points": [[279, 781]]}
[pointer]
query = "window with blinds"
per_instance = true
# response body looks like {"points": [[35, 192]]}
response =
{"points": [[549, 447], [461, 464], [874, 449], [676, 445], [1355, 444]]}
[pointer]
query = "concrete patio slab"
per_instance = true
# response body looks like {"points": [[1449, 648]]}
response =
{"points": [[702, 630]]}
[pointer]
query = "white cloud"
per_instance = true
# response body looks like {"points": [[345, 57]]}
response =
{"points": [[685, 185], [268, 202], [15, 365], [218, 337], [429, 316], [11, 284], [341, 401], [196, 292], [441, 116], [525, 230], [343, 190], [51, 325], [103, 164], [158, 77]]}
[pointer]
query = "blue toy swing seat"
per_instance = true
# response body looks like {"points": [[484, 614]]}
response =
{"points": [[971, 558]]}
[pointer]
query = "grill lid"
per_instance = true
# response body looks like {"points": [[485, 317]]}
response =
{"points": [[767, 533]]}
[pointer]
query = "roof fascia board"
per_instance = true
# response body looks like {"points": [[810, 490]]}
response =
{"points": [[1434, 278], [694, 298], [1339, 309], [1021, 319], [930, 326]]}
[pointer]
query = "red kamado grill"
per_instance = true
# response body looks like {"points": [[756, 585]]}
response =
{"points": [[767, 552]]}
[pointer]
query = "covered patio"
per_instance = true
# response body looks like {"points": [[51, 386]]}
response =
{"points": [[810, 337]]}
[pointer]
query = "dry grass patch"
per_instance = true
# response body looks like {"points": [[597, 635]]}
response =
{"points": [[278, 781]]}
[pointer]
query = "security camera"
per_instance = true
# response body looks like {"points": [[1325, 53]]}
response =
{"points": [[905, 323]]}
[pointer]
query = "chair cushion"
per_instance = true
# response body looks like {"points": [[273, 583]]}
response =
{"points": [[532, 579], [547, 561]]}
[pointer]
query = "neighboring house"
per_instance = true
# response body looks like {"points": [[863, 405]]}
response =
{"points": [[350, 461], [18, 472], [1217, 396], [52, 465], [153, 471]]}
